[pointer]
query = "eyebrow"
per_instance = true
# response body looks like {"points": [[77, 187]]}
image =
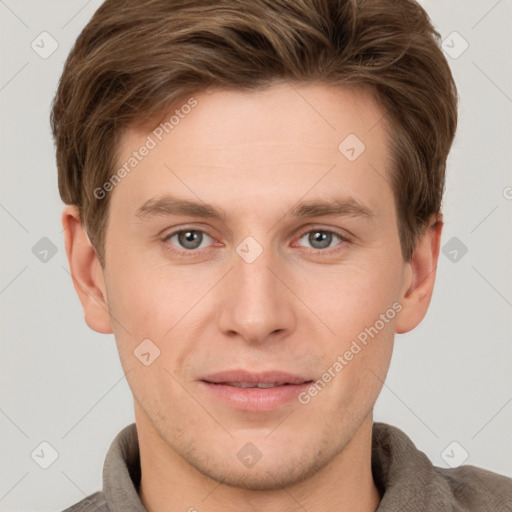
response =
{"points": [[332, 207], [169, 205]]}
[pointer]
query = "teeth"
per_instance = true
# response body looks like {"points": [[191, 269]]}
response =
{"points": [[253, 385]]}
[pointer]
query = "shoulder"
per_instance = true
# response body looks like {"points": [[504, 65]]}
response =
{"points": [[94, 503], [478, 489], [406, 476]]}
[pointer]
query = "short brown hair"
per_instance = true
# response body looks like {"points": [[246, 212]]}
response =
{"points": [[136, 58]]}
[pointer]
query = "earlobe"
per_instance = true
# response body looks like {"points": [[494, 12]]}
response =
{"points": [[86, 272], [419, 283]]}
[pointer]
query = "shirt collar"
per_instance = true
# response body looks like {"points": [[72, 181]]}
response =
{"points": [[121, 473]]}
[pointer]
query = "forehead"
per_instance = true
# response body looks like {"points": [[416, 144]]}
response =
{"points": [[289, 115], [286, 139]]}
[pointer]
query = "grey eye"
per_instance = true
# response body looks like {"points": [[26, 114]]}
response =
{"points": [[189, 238], [320, 239]]}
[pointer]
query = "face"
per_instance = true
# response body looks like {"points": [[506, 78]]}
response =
{"points": [[288, 269]]}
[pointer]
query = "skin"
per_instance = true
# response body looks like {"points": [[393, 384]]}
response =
{"points": [[296, 308]]}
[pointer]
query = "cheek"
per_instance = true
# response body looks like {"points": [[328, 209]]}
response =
{"points": [[351, 298], [162, 305], [150, 299], [150, 314], [360, 304]]}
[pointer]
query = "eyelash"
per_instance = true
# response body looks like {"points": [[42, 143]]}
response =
{"points": [[193, 252]]}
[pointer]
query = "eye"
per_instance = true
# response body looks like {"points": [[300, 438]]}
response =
{"points": [[321, 238], [189, 239]]}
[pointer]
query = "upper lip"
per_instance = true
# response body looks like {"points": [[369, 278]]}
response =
{"points": [[255, 377]]}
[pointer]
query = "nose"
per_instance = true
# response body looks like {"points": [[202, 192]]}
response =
{"points": [[256, 303]]}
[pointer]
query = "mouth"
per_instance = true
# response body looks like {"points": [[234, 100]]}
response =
{"points": [[261, 385], [255, 392]]}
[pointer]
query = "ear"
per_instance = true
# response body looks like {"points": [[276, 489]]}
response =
{"points": [[86, 272], [420, 275]]}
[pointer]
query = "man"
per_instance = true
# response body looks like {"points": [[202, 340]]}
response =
{"points": [[253, 194]]}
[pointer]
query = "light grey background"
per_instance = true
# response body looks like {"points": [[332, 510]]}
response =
{"points": [[450, 379]]}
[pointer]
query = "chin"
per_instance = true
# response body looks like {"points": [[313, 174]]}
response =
{"points": [[271, 472], [261, 479]]}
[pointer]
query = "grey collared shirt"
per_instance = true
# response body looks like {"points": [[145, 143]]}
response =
{"points": [[404, 475]]}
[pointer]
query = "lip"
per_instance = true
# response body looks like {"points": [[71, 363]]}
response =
{"points": [[254, 399]]}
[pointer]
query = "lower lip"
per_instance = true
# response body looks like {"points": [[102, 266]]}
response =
{"points": [[255, 399]]}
